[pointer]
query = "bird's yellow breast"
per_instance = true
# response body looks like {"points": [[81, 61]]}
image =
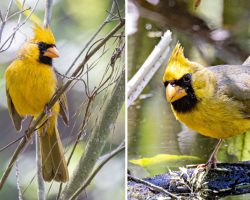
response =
{"points": [[215, 117], [31, 86]]}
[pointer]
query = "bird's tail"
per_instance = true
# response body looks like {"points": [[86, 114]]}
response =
{"points": [[54, 166]]}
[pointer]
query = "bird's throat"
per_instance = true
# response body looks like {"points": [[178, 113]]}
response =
{"points": [[185, 104], [45, 60]]}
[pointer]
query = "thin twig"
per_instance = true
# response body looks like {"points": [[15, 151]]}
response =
{"points": [[106, 21], [11, 143], [40, 181], [152, 186], [18, 13], [10, 39], [48, 13], [20, 196], [8, 10]]}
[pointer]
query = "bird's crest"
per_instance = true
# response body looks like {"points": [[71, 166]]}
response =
{"points": [[178, 65], [178, 55], [42, 34]]}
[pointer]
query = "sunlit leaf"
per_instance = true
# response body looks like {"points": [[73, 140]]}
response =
{"points": [[160, 158], [32, 17], [161, 163]]}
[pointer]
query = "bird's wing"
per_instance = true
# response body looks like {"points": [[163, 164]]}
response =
{"points": [[64, 111], [15, 117], [234, 81]]}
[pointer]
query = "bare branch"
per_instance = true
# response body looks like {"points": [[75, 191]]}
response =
{"points": [[8, 10], [20, 196], [10, 39], [40, 181], [106, 21], [149, 68], [48, 13], [155, 187]]}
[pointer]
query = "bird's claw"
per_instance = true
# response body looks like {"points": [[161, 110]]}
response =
{"points": [[211, 163]]}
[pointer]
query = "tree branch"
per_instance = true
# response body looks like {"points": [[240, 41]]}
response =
{"points": [[119, 149], [40, 181], [196, 183], [48, 13], [149, 68]]}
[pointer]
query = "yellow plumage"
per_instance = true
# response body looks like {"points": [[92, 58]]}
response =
{"points": [[43, 34], [215, 115], [214, 101], [30, 84], [39, 87]]}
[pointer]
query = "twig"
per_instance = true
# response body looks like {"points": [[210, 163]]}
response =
{"points": [[40, 181], [20, 196], [48, 13], [54, 99], [97, 139], [119, 149], [152, 186], [18, 12], [18, 26], [1, 16], [8, 10], [11, 143], [4, 20], [106, 21], [148, 69]]}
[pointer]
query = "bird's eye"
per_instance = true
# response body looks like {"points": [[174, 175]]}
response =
{"points": [[41, 45], [187, 77]]}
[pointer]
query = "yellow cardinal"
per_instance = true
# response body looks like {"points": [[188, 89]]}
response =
{"points": [[30, 83], [214, 101]]}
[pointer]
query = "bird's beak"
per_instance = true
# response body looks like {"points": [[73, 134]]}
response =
{"points": [[173, 93], [51, 52]]}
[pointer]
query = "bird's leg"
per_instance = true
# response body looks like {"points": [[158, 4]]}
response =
{"points": [[26, 132], [212, 160]]}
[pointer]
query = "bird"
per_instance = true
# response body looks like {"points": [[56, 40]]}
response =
{"points": [[31, 82], [213, 101]]}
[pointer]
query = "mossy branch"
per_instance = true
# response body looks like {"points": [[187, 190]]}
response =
{"points": [[193, 183]]}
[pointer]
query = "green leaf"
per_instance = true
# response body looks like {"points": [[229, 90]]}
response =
{"points": [[162, 162], [163, 158], [32, 17]]}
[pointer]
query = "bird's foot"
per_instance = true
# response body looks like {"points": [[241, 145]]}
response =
{"points": [[211, 163]]}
